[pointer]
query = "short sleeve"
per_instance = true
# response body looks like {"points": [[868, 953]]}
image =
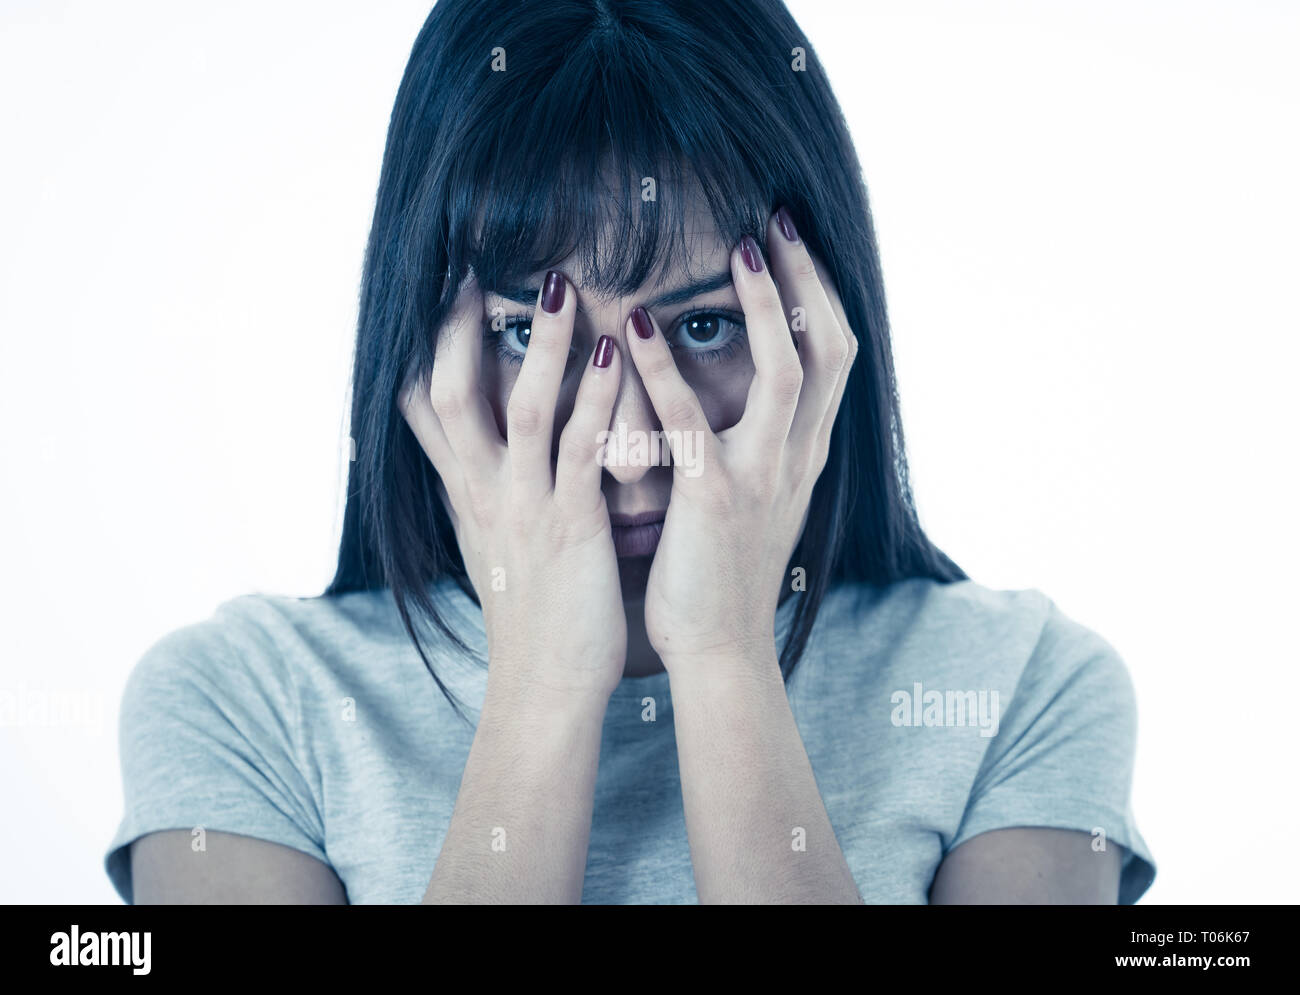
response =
{"points": [[208, 735], [1064, 752]]}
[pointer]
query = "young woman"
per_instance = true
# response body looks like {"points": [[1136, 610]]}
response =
{"points": [[632, 603]]}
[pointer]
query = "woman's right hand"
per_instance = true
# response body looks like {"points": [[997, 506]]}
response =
{"points": [[535, 536]]}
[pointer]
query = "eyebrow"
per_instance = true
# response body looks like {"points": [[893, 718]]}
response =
{"points": [[528, 296]]}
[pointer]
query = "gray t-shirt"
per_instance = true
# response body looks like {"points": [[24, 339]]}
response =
{"points": [[931, 713]]}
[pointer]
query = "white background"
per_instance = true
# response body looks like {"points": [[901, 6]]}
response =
{"points": [[1087, 216]]}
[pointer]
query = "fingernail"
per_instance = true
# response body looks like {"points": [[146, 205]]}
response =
{"points": [[786, 223], [604, 352], [642, 323], [749, 252], [553, 292]]}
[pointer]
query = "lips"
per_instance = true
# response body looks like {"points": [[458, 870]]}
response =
{"points": [[637, 535]]}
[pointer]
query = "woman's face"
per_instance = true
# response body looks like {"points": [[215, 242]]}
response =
{"points": [[697, 308]]}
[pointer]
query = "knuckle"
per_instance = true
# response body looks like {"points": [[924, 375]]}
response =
{"points": [[446, 401], [787, 382], [760, 485], [757, 477], [521, 528], [558, 530], [802, 467], [523, 417], [481, 512], [820, 454], [804, 269], [408, 398], [837, 355], [577, 449], [520, 508], [679, 409], [764, 490]]}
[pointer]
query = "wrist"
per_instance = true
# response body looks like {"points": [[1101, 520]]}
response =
{"points": [[727, 668], [527, 698], [754, 646]]}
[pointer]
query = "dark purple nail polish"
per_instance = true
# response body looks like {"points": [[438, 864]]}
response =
{"points": [[553, 292], [749, 252], [604, 352], [786, 223], [642, 323]]}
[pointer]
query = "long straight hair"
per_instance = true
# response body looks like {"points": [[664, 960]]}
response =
{"points": [[520, 133]]}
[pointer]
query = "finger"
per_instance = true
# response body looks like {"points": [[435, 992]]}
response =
{"points": [[837, 307], [530, 413], [778, 375], [413, 402], [578, 467], [823, 347], [676, 405], [455, 392]]}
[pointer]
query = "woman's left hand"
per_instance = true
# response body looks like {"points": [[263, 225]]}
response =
{"points": [[734, 518]]}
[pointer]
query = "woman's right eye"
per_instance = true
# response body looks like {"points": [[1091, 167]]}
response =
{"points": [[510, 341]]}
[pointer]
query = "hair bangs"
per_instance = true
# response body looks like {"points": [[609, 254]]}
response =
{"points": [[599, 168]]}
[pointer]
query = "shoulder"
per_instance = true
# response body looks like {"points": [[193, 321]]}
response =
{"points": [[1043, 664], [279, 657], [1054, 737], [921, 602], [961, 620], [256, 646]]}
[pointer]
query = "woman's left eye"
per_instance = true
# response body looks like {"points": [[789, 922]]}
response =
{"points": [[510, 340], [707, 335]]}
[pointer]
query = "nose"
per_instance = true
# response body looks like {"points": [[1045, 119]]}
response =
{"points": [[633, 449]]}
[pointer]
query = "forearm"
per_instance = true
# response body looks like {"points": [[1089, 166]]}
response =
{"points": [[758, 830], [522, 821]]}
